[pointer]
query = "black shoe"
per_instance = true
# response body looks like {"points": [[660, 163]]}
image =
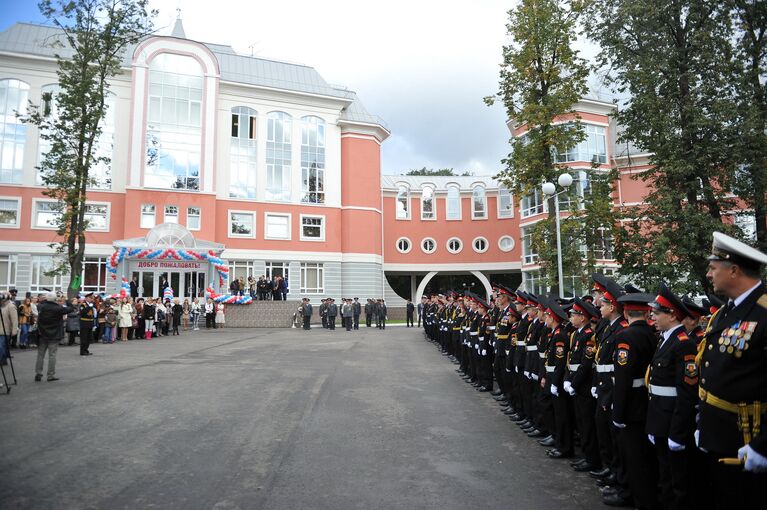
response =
{"points": [[85, 354], [528, 429], [547, 441], [616, 500], [524, 424], [608, 490], [583, 467], [601, 473], [611, 479], [517, 418], [577, 461], [50, 379], [556, 454], [38, 378], [496, 393], [483, 389], [535, 433]]}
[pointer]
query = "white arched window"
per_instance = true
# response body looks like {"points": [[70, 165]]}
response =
{"points": [[174, 132], [428, 204], [478, 203], [403, 203], [13, 133], [453, 203], [242, 153], [278, 156], [312, 160]]}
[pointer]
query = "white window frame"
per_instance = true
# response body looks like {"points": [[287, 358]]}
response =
{"points": [[460, 247], [527, 258], [433, 203], [474, 215], [320, 267], [101, 263], [434, 243], [408, 215], [289, 216], [165, 214], [18, 201], [36, 201], [480, 238], [198, 216], [12, 270], [409, 245], [508, 212], [141, 216], [229, 233], [500, 243], [447, 204], [109, 216], [322, 228], [236, 266], [34, 285]]}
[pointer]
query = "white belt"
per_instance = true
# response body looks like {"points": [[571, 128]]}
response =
{"points": [[635, 383], [474, 333], [663, 391], [534, 376], [605, 368], [550, 369], [520, 344], [542, 355], [491, 328], [574, 366], [481, 339], [531, 348]]}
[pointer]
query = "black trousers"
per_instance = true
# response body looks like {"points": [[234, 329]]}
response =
{"points": [[602, 428], [499, 368], [564, 426], [368, 320], [357, 321], [347, 322], [680, 476], [86, 336], [585, 407], [380, 322], [527, 389], [638, 456], [325, 321], [307, 318], [729, 487], [332, 322], [546, 409], [485, 370], [409, 320]]}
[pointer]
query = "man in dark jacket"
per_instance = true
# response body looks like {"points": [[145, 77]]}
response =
{"points": [[50, 326], [369, 307], [306, 311], [357, 308], [410, 311], [332, 313]]}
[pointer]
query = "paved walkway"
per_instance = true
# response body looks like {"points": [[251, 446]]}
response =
{"points": [[269, 419]]}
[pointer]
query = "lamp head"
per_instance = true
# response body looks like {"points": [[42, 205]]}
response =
{"points": [[548, 188], [565, 180]]}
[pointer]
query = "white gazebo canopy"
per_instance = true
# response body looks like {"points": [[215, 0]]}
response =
{"points": [[169, 235]]}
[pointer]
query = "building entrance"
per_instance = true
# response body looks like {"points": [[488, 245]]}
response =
{"points": [[185, 284]]}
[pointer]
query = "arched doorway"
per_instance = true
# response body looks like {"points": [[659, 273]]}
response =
{"points": [[477, 274]]}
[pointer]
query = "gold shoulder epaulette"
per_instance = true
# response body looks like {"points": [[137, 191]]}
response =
{"points": [[762, 301]]}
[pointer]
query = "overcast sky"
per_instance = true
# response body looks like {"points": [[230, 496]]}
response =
{"points": [[422, 65]]}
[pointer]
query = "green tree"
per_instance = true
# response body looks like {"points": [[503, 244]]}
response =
{"points": [[750, 18], [673, 60], [542, 78], [432, 172], [95, 36]]}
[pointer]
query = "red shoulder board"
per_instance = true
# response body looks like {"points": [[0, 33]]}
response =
{"points": [[560, 343], [624, 346], [625, 324], [682, 336], [699, 333], [588, 331]]}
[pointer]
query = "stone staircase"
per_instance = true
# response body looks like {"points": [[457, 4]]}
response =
{"points": [[263, 314]]}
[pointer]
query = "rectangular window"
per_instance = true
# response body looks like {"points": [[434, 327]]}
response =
{"points": [[275, 269], [312, 228], [193, 215], [41, 281], [453, 203], [533, 204], [505, 203], [533, 282], [312, 278], [7, 272], [94, 275], [147, 216], [593, 148], [171, 214], [240, 268], [46, 214], [9, 212], [242, 224], [277, 226], [529, 256], [604, 245], [97, 216]]}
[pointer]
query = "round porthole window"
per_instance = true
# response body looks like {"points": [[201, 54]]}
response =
{"points": [[428, 245], [506, 243], [454, 245], [480, 245], [403, 245]]}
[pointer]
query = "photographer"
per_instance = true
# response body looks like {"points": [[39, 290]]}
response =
{"points": [[50, 325], [9, 325]]}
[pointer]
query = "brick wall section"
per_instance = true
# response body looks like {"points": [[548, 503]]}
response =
{"points": [[263, 314]]}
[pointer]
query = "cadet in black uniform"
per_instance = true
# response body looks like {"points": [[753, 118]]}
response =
{"points": [[503, 327], [556, 366], [692, 321], [634, 347], [87, 316], [672, 382], [578, 381], [733, 378], [484, 351]]}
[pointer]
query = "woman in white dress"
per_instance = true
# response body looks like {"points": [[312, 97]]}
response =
{"points": [[124, 318], [220, 315]]}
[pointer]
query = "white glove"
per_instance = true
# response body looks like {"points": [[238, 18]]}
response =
{"points": [[527, 374], [484, 352], [755, 462], [516, 369], [594, 391], [674, 446], [651, 438], [568, 387], [571, 391], [619, 425], [554, 391]]}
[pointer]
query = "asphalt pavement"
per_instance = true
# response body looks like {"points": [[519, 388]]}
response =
{"points": [[269, 419]]}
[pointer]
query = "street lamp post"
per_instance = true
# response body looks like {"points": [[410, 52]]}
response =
{"points": [[565, 180]]}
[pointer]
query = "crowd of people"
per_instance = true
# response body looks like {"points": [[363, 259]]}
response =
{"points": [[95, 319], [349, 311], [659, 400], [261, 288]]}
